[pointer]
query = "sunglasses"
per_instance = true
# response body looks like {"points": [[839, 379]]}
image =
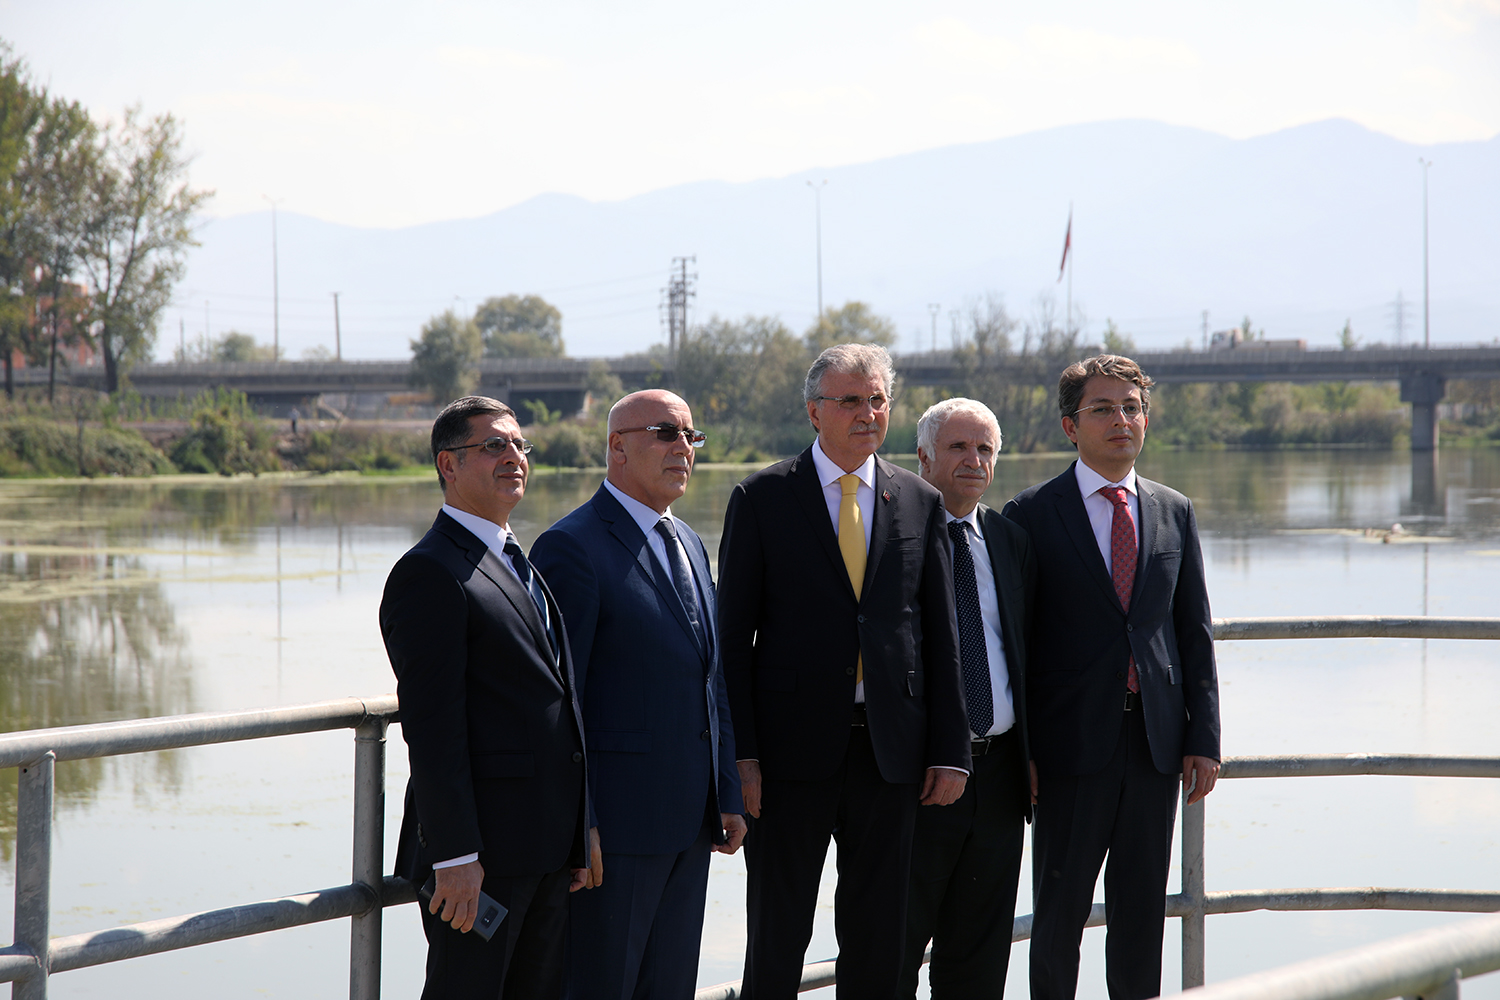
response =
{"points": [[670, 432]]}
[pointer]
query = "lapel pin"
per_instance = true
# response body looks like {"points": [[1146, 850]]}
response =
{"points": [[886, 496]]}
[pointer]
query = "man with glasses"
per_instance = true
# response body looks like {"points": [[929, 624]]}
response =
{"points": [[841, 651], [1122, 691], [490, 716], [633, 583]]}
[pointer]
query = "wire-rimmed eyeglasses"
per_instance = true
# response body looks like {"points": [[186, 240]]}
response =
{"points": [[670, 432], [495, 445], [877, 400], [1102, 411]]}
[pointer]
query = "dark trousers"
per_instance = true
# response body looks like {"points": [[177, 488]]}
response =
{"points": [[523, 961], [872, 820], [1126, 810], [965, 865], [637, 936]]}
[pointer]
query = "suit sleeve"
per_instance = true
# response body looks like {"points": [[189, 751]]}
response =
{"points": [[1193, 622], [741, 579], [424, 620], [947, 720]]}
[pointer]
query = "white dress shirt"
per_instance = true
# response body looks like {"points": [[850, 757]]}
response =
{"points": [[989, 611], [494, 536], [1101, 509], [833, 495]]}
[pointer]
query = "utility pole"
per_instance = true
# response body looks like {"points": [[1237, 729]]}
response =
{"points": [[1399, 309], [275, 288], [953, 315], [934, 308], [1205, 329], [181, 340], [675, 301], [338, 335], [1426, 311], [817, 190]]}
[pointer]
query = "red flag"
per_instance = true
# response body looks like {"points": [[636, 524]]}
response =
{"points": [[1067, 245]]}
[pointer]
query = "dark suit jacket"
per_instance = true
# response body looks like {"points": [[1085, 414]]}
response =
{"points": [[487, 712], [661, 746], [1014, 564], [792, 629], [1081, 639]]}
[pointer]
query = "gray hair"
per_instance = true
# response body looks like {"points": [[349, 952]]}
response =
{"points": [[850, 359], [936, 415]]}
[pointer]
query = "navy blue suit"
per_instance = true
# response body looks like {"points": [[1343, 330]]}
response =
{"points": [[660, 744]]}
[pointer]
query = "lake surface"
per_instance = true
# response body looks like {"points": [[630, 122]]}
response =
{"points": [[127, 599]]}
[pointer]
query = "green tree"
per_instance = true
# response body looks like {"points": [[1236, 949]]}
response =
{"points": [[1347, 340], [236, 346], [1116, 342], [520, 326], [852, 322], [746, 378], [140, 226], [444, 360], [20, 112]]}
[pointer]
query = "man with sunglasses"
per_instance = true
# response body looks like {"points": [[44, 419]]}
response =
{"points": [[490, 716], [1122, 693], [841, 650], [633, 583]]}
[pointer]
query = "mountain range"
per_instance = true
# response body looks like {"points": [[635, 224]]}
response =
{"points": [[1300, 230]]}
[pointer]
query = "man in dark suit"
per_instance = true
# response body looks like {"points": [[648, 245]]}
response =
{"points": [[1122, 691], [635, 591], [841, 652], [498, 790], [966, 860]]}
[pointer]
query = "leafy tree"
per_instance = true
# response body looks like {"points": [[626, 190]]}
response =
{"points": [[140, 214], [853, 322], [1347, 340], [20, 111], [520, 326], [236, 346], [444, 360], [746, 378], [1116, 342]]}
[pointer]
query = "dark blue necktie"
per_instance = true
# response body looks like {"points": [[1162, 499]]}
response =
{"points": [[528, 579], [682, 578], [973, 652]]}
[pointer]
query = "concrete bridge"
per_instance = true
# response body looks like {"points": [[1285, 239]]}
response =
{"points": [[561, 383]]}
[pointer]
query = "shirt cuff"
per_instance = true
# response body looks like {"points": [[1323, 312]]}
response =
{"points": [[944, 767], [466, 859]]}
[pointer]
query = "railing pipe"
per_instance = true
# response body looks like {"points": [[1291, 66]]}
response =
{"points": [[35, 782], [1355, 898], [1193, 885], [1357, 627], [1333, 765], [1419, 964], [369, 848]]}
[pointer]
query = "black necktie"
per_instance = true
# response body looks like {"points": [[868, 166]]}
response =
{"points": [[682, 577], [973, 652], [528, 579]]}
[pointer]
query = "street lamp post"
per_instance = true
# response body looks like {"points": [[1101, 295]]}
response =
{"points": [[1426, 312], [275, 288], [817, 190]]}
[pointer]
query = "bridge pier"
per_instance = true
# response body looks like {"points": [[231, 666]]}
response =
{"points": [[1423, 391]]}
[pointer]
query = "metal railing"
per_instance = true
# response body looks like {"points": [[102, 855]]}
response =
{"points": [[35, 954]]}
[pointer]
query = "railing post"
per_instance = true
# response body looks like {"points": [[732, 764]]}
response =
{"points": [[369, 853], [34, 870], [1193, 889]]}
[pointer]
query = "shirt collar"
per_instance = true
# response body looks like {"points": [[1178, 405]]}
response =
{"points": [[971, 519], [829, 473], [1090, 481], [486, 531], [639, 512]]}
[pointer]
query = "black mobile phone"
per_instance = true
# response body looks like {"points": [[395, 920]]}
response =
{"points": [[491, 913]]}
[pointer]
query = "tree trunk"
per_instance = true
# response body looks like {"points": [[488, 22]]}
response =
{"points": [[52, 357], [111, 365], [10, 374]]}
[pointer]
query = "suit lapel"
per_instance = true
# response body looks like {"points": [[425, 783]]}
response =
{"points": [[1148, 504], [699, 561], [804, 476], [884, 512], [628, 533], [1075, 519], [481, 558]]}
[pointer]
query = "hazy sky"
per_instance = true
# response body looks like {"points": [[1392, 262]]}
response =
{"points": [[383, 114]]}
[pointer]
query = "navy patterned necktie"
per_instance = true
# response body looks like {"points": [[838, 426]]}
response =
{"points": [[682, 577], [973, 652], [529, 581]]}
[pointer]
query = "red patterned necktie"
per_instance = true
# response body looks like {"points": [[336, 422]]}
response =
{"points": [[1122, 556]]}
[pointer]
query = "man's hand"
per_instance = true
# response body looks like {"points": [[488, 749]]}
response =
{"points": [[1032, 764], [1200, 774], [734, 833], [750, 786], [457, 893], [942, 786], [592, 876]]}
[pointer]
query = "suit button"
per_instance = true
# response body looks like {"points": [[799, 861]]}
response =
{"points": [[703, 735], [577, 757], [861, 619], [850, 671], [1130, 628], [1119, 673]]}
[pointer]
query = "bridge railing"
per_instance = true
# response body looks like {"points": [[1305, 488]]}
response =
{"points": [[35, 955]]}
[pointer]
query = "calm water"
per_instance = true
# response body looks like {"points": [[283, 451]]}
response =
{"points": [[120, 600]]}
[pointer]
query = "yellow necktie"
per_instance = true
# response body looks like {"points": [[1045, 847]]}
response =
{"points": [[852, 546]]}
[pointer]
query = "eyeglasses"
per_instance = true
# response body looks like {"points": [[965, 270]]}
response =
{"points": [[878, 401], [1102, 411], [670, 432], [495, 446]]}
